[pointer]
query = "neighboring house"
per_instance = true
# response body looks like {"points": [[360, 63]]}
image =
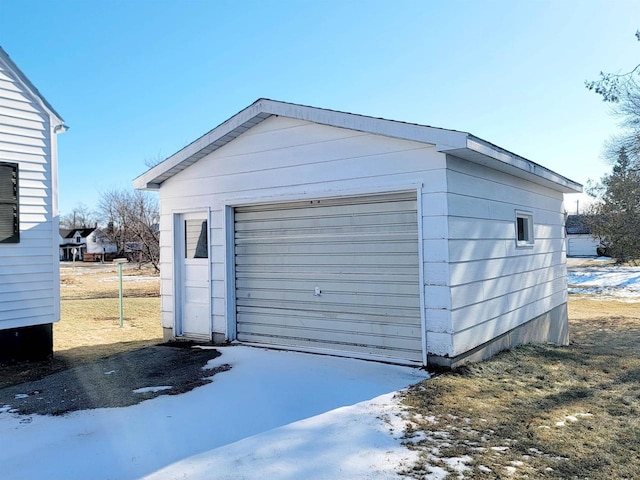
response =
{"points": [[29, 270], [310, 229], [87, 245], [580, 243]]}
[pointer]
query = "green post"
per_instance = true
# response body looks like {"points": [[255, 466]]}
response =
{"points": [[120, 277]]}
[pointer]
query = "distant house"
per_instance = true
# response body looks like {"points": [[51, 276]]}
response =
{"points": [[580, 242], [310, 229], [29, 270], [87, 245]]}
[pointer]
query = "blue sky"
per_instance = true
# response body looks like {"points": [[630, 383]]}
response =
{"points": [[138, 80]]}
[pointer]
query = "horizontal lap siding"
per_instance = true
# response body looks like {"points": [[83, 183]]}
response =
{"points": [[27, 273], [282, 159], [495, 285]]}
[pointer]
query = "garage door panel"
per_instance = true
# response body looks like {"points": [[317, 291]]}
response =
{"points": [[259, 322], [256, 214], [373, 340], [335, 222], [329, 287], [361, 253], [323, 232], [345, 260], [336, 346], [376, 317], [313, 270], [394, 311], [349, 301], [329, 248]]}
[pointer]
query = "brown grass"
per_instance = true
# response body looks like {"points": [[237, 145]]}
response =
{"points": [[540, 411], [89, 327]]}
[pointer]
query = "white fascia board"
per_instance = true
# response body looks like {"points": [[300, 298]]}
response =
{"points": [[209, 142], [457, 143], [264, 108], [362, 123], [484, 153]]}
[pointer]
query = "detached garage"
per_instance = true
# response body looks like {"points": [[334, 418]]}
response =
{"points": [[296, 227]]}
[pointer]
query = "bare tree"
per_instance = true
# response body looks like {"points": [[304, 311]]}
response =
{"points": [[151, 162], [613, 86], [132, 220], [80, 216]]}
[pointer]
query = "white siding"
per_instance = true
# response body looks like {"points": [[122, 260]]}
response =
{"points": [[477, 283], [283, 159], [29, 283], [496, 285]]}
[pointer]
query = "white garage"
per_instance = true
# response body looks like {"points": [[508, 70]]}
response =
{"points": [[337, 233]]}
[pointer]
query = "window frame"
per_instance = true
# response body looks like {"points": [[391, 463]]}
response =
{"points": [[200, 249], [15, 238], [528, 238]]}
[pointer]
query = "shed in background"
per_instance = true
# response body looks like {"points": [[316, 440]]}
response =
{"points": [[580, 242]]}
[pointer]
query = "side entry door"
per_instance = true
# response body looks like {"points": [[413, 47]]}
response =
{"points": [[192, 275]]}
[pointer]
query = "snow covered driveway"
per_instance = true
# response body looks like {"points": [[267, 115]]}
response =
{"points": [[275, 414]]}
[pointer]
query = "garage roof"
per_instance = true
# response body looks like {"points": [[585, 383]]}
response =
{"points": [[453, 142]]}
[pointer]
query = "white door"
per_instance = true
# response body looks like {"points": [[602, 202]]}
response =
{"points": [[192, 272]]}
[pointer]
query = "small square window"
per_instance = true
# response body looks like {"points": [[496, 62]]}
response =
{"points": [[195, 236], [524, 229]]}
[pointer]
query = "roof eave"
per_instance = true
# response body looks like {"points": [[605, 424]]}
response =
{"points": [[460, 144], [58, 125], [481, 152]]}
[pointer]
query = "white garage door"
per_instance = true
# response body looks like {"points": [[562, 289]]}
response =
{"points": [[338, 274]]}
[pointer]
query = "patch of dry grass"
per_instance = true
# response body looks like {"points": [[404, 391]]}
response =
{"points": [[539, 411], [89, 327]]}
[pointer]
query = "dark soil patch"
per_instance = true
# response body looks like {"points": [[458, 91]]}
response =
{"points": [[111, 381]]}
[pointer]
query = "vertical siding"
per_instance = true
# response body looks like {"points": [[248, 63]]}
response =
{"points": [[495, 285], [283, 159], [28, 281]]}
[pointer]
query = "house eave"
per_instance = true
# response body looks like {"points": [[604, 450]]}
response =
{"points": [[57, 123], [457, 143]]}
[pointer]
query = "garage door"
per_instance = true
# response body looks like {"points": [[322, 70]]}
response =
{"points": [[338, 274]]}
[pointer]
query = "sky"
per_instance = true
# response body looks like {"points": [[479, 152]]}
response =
{"points": [[137, 80]]}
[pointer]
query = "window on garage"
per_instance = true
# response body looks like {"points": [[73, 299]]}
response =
{"points": [[524, 229]]}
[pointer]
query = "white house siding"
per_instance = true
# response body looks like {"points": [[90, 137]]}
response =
{"points": [[284, 159], [495, 285], [29, 286]]}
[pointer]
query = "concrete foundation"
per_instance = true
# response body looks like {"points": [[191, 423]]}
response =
{"points": [[33, 343], [216, 338], [551, 327]]}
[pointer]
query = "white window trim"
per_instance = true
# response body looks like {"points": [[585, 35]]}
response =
{"points": [[530, 239]]}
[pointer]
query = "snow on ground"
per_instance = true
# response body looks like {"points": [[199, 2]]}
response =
{"points": [[275, 414], [621, 283]]}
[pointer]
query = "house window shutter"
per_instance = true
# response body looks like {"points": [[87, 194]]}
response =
{"points": [[9, 212]]}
